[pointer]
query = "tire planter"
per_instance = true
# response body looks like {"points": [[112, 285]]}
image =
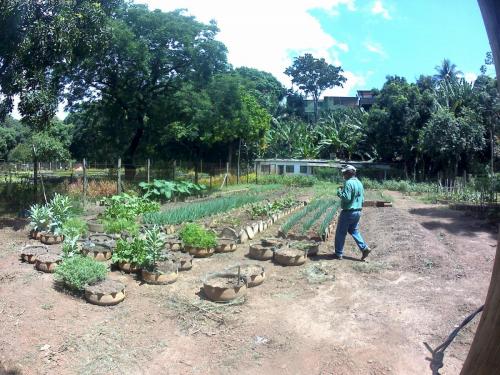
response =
{"points": [[290, 257], [105, 293], [272, 242], [31, 252], [174, 244], [312, 247], [224, 287], [34, 234], [99, 252], [199, 252], [260, 252], [168, 229], [164, 273], [95, 226], [184, 261], [47, 262], [225, 245], [103, 239], [128, 267], [253, 273], [48, 238]]}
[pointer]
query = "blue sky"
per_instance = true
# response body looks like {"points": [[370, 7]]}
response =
{"points": [[368, 38], [411, 39]]}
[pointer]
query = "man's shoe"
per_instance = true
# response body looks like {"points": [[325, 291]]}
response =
{"points": [[365, 253], [336, 256]]}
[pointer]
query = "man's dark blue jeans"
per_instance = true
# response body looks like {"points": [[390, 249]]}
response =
{"points": [[348, 223]]}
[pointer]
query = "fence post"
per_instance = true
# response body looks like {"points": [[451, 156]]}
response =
{"points": [[256, 173], [119, 177], [149, 166], [227, 173], [84, 182]]}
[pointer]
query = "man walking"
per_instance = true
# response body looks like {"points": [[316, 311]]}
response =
{"points": [[351, 202]]}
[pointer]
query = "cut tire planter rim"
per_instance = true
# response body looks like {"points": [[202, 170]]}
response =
{"points": [[260, 252], [223, 293], [199, 252], [50, 238], [47, 262], [105, 293], [225, 245], [253, 278], [99, 252], [167, 275], [290, 257], [128, 267], [29, 253]]}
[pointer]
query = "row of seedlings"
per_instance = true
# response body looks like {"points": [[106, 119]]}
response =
{"points": [[314, 222]]}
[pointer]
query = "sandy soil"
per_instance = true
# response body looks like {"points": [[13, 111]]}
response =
{"points": [[430, 269]]}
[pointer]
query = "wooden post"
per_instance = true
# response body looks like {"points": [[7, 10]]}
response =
{"points": [[484, 353], [227, 173], [84, 182], [119, 177], [256, 173], [149, 166], [35, 175], [238, 166]]}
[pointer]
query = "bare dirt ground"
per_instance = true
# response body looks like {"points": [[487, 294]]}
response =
{"points": [[430, 269]]}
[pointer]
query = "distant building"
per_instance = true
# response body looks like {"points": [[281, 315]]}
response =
{"points": [[307, 166], [364, 99]]}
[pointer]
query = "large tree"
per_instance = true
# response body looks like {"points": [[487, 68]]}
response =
{"points": [[40, 42], [313, 76], [149, 56]]}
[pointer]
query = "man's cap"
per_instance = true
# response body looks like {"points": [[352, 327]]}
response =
{"points": [[348, 168]]}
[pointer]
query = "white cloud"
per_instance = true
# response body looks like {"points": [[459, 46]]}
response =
{"points": [[375, 48], [470, 76], [266, 34], [378, 8], [353, 83]]}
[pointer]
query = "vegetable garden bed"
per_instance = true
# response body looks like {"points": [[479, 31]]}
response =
{"points": [[314, 222]]}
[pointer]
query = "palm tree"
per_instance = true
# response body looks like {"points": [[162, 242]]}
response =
{"points": [[447, 71]]}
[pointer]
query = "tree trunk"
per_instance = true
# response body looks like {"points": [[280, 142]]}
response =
{"points": [[132, 148], [484, 354], [492, 146], [315, 101], [230, 154]]}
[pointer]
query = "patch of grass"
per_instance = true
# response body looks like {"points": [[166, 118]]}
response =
{"points": [[369, 267], [47, 306], [318, 273]]}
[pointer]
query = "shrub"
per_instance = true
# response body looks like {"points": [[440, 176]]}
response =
{"points": [[195, 235], [79, 271], [154, 242], [40, 217], [95, 188], [76, 226]]}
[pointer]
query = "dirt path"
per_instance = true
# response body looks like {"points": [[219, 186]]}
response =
{"points": [[430, 269]]}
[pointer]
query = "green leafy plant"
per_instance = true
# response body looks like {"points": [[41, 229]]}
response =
{"points": [[166, 190], [264, 209], [126, 206], [154, 243], [133, 251], [78, 271], [288, 180], [60, 208], [195, 235], [119, 225], [40, 217], [75, 225]]}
